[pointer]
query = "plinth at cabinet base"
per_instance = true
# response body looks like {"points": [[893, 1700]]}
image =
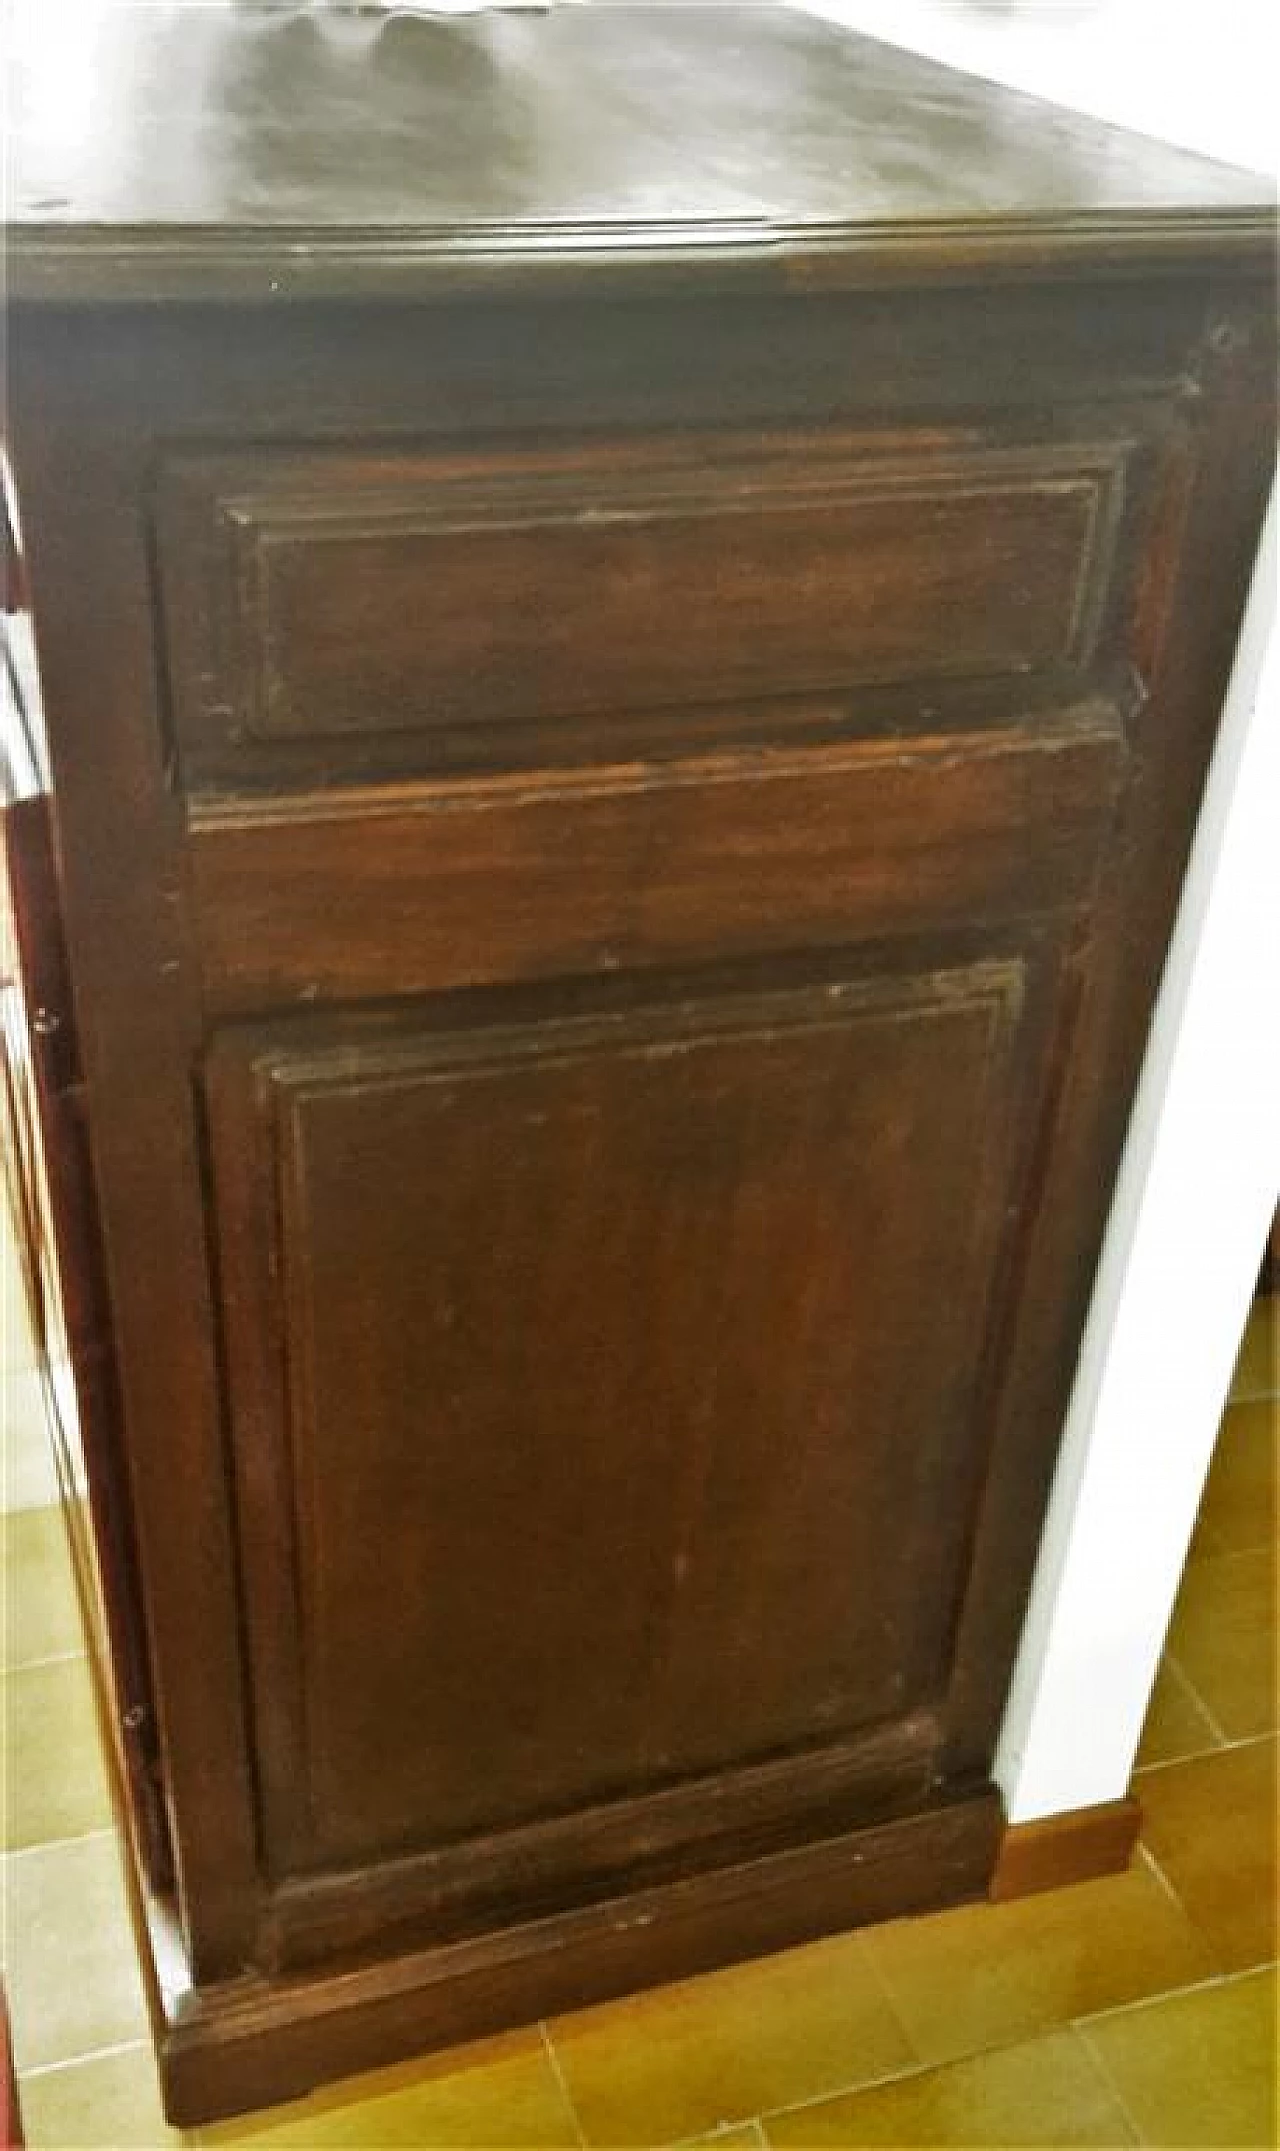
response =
{"points": [[259, 2040]]}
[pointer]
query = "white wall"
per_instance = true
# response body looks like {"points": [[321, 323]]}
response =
{"points": [[1204, 76], [1200, 1176], [1198, 1183]]}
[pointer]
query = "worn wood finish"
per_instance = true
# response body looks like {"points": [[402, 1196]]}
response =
{"points": [[462, 1173], [1073, 1847], [260, 2040], [311, 598], [50, 1186], [1201, 558], [701, 859], [626, 702], [617, 1846], [650, 146]]}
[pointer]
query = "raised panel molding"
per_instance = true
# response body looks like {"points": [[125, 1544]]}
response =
{"points": [[461, 1254], [325, 599]]}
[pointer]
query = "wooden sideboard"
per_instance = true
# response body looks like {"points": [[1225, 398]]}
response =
{"points": [[632, 609]]}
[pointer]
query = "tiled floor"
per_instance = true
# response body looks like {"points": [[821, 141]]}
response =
{"points": [[1139, 2009]]}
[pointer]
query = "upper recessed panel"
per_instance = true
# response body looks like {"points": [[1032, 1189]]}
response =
{"points": [[411, 612], [692, 125]]}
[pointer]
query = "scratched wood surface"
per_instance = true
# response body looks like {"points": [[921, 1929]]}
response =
{"points": [[626, 697]]}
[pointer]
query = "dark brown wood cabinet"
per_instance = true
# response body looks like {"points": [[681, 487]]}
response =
{"points": [[632, 609]]}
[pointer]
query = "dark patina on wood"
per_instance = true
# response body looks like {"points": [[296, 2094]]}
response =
{"points": [[633, 606]]}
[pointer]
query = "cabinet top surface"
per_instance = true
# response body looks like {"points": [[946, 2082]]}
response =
{"points": [[160, 149]]}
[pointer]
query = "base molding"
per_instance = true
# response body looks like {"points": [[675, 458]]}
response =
{"points": [[1073, 1847], [259, 2040]]}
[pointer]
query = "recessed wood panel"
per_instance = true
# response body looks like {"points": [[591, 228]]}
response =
{"points": [[601, 1389], [485, 604]]}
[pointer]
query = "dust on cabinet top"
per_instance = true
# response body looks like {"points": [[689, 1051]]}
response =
{"points": [[158, 150]]}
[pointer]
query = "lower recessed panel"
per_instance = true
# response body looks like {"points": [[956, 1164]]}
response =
{"points": [[601, 1388]]}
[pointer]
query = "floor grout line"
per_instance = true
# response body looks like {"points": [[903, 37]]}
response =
{"points": [[93, 2053], [1215, 1979], [1246, 1740], [1166, 1885], [51, 1658], [1026, 2037], [51, 1844], [1179, 1762], [557, 2070], [707, 2139], [1108, 2082], [1170, 1994], [887, 1994], [883, 2077], [1196, 1697]]}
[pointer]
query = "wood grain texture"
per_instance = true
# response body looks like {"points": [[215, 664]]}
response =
{"points": [[591, 1442], [55, 1213], [406, 155], [460, 884], [474, 1142], [313, 598], [694, 1825], [137, 1017], [258, 2041]]}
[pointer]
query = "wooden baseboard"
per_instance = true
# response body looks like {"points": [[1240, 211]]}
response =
{"points": [[263, 2039], [1074, 1847]]}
